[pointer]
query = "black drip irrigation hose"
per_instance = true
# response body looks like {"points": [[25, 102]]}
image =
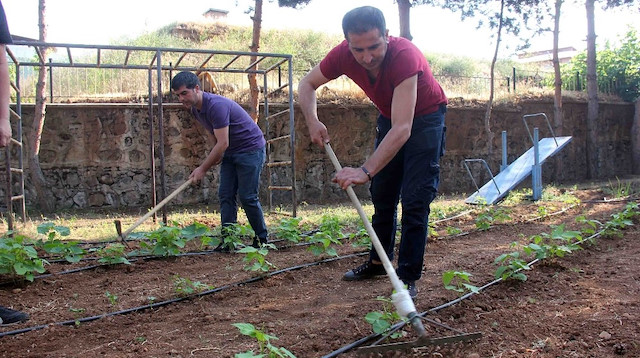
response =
{"points": [[164, 303], [90, 267], [399, 325]]}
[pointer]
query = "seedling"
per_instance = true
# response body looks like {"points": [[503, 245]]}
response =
{"points": [[113, 254], [256, 258], [232, 235], [186, 287], [321, 244], [69, 250], [452, 230], [381, 321], [360, 238], [511, 267], [165, 241], [113, 299], [266, 349], [619, 189], [458, 281], [19, 258], [289, 229], [489, 216]]}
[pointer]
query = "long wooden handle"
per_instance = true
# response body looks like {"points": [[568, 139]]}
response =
{"points": [[405, 304], [391, 272], [157, 207]]}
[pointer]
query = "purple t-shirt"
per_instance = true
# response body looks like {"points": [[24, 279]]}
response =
{"points": [[219, 112]]}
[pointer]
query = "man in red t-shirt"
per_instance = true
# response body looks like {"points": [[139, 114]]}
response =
{"points": [[396, 76]]}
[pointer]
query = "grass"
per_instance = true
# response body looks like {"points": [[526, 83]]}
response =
{"points": [[99, 225]]}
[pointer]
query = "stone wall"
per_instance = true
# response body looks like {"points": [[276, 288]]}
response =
{"points": [[99, 155]]}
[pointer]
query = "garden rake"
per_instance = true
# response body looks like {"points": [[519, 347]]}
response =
{"points": [[401, 300], [123, 236]]}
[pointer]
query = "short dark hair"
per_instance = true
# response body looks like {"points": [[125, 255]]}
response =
{"points": [[185, 78], [363, 19]]}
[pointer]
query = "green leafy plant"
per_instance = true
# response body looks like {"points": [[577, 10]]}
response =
{"points": [[360, 238], [165, 241], [489, 216], [233, 234], [52, 231], [185, 287], [113, 299], [256, 258], [266, 349], [452, 230], [289, 229], [511, 266], [18, 257], [69, 250], [381, 321], [619, 189], [113, 254], [321, 244], [458, 281]]}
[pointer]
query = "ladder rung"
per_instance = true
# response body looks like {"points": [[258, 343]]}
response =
{"points": [[16, 170], [17, 197], [278, 114], [279, 138], [15, 141], [279, 164], [14, 113], [274, 187]]}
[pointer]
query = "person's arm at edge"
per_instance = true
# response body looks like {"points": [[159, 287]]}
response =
{"points": [[309, 105], [220, 138], [403, 106], [5, 123]]}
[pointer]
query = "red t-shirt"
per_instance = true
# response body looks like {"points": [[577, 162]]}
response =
{"points": [[403, 60]]}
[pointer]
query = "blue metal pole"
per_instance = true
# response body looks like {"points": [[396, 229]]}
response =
{"points": [[536, 172], [504, 151]]}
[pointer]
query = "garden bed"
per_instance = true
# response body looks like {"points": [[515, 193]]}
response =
{"points": [[582, 305]]}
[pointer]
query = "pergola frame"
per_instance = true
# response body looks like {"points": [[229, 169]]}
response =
{"points": [[163, 60]]}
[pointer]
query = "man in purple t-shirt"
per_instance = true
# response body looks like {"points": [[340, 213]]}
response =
{"points": [[405, 165], [239, 148]]}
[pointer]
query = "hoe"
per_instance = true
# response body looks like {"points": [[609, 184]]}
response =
{"points": [[123, 236], [401, 299]]}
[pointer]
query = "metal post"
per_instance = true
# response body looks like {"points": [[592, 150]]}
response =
{"points": [[536, 171], [50, 81], [152, 151], [292, 132], [504, 151], [163, 191], [514, 79]]}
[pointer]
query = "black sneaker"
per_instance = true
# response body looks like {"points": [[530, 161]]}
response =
{"points": [[222, 247], [257, 243], [364, 271], [8, 316], [411, 287]]}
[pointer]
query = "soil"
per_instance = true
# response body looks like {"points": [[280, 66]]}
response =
{"points": [[582, 305]]}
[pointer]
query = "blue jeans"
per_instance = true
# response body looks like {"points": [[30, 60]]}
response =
{"points": [[412, 176], [240, 177]]}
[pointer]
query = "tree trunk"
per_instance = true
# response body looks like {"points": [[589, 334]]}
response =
{"points": [[557, 99], [404, 11], [635, 139], [487, 114], [43, 195], [592, 95], [255, 47]]}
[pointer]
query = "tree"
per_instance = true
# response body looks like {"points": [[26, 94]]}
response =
{"points": [[557, 84], [505, 17], [43, 196], [404, 12], [254, 91]]}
